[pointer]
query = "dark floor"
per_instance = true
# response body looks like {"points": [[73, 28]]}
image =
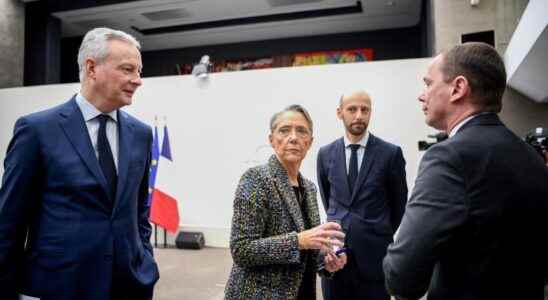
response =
{"points": [[196, 274]]}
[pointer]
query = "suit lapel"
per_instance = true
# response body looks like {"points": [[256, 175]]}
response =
{"points": [[367, 162], [75, 129], [125, 138], [340, 171], [281, 182]]}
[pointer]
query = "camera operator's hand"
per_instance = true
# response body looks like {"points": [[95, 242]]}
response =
{"points": [[322, 237]]}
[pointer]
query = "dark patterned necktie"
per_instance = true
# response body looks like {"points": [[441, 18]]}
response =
{"points": [[353, 166], [106, 159]]}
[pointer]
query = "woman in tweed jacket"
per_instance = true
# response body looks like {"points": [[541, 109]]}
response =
{"points": [[276, 231]]}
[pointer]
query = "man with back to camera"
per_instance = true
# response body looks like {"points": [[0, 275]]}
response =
{"points": [[475, 226], [363, 186], [73, 202]]}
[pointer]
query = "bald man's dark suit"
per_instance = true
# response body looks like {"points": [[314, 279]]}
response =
{"points": [[369, 214]]}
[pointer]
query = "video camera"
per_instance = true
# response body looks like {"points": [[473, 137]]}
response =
{"points": [[439, 137], [538, 139]]}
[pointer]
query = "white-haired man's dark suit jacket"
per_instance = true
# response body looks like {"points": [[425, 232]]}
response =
{"points": [[62, 237]]}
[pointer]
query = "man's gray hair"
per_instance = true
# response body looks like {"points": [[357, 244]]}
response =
{"points": [[95, 45], [294, 108]]}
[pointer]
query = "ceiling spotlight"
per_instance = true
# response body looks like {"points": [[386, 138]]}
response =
{"points": [[202, 69]]}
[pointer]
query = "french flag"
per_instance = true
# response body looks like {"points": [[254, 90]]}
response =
{"points": [[163, 211]]}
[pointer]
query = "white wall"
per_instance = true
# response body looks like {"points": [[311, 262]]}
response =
{"points": [[219, 128], [533, 22]]}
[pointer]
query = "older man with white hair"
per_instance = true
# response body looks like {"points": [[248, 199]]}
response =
{"points": [[74, 197]]}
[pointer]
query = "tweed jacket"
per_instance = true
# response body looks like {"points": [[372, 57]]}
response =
{"points": [[263, 240]]}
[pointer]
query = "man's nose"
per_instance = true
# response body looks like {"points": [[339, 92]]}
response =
{"points": [[137, 80]]}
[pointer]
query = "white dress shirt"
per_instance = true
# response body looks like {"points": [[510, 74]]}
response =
{"points": [[90, 114], [360, 153]]}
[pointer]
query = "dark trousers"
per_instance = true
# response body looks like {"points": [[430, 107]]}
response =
{"points": [[348, 283], [123, 288], [123, 292]]}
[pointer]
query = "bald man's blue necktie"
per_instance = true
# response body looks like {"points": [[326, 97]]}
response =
{"points": [[106, 159], [353, 166]]}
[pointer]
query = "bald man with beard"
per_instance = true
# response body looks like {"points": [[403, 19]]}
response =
{"points": [[363, 187]]}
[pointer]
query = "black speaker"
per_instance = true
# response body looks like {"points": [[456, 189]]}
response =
{"points": [[190, 240]]}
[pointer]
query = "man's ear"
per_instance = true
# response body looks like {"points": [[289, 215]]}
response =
{"points": [[460, 88], [339, 113], [91, 66], [270, 139]]}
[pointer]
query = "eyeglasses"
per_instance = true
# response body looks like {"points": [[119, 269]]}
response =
{"points": [[286, 131]]}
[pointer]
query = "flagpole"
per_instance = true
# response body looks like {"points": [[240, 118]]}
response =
{"points": [[155, 156], [165, 232], [155, 236]]}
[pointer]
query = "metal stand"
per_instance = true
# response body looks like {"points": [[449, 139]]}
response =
{"points": [[155, 236]]}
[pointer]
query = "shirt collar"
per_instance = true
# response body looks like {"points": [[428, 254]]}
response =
{"points": [[362, 142], [91, 112]]}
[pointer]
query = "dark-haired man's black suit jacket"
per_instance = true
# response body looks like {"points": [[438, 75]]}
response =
{"points": [[369, 214], [476, 224]]}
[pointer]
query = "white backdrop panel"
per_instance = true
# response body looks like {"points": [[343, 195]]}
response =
{"points": [[219, 127]]}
